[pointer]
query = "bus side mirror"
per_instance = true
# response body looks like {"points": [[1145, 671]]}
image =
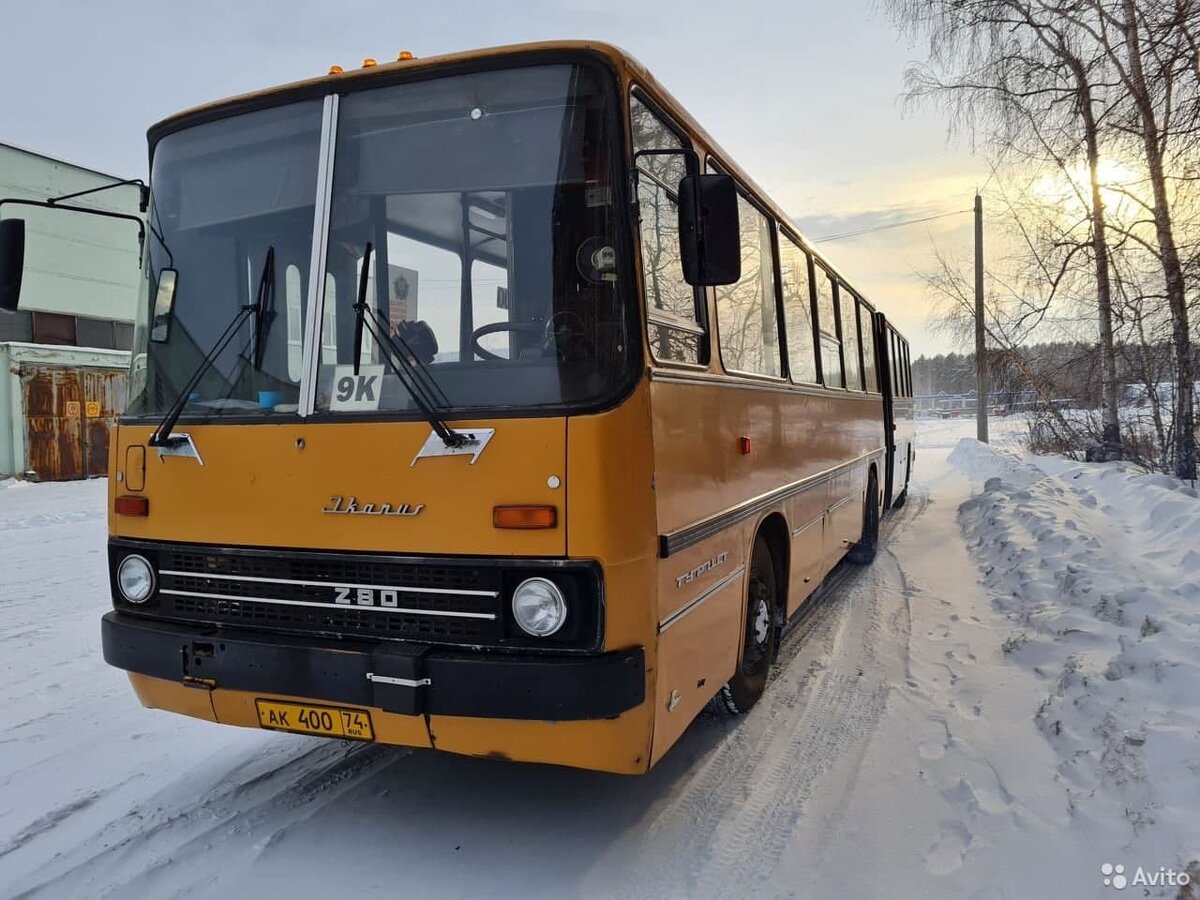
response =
{"points": [[164, 303], [12, 262], [710, 245]]}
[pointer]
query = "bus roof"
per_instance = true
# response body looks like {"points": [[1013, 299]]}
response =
{"points": [[619, 59]]}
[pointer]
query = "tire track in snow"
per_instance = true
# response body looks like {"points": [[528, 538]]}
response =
{"points": [[847, 701], [49, 820], [737, 814], [243, 813]]}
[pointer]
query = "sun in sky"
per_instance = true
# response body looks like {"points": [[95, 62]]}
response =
{"points": [[1070, 187]]}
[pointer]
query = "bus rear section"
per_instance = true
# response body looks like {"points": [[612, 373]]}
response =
{"points": [[895, 367]]}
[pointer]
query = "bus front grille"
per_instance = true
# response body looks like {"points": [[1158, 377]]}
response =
{"points": [[421, 600]]}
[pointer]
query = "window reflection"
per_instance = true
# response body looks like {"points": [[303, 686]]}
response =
{"points": [[831, 347], [747, 322], [675, 330], [797, 308], [870, 376], [846, 301]]}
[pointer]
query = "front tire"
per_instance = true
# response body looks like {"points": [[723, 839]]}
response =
{"points": [[863, 553], [746, 686]]}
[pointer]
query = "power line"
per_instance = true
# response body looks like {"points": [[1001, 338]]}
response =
{"points": [[850, 234]]}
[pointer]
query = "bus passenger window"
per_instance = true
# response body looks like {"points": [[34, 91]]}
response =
{"points": [[847, 305], [747, 321], [897, 383], [675, 330], [831, 347], [797, 311], [870, 376]]}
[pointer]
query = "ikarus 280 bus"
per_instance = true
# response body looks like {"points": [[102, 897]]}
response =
{"points": [[481, 403]]}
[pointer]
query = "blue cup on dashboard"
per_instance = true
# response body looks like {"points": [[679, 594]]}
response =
{"points": [[270, 399]]}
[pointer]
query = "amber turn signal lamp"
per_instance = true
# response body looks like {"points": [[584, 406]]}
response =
{"points": [[524, 516], [126, 505]]}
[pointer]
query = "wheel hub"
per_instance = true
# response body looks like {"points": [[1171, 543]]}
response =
{"points": [[762, 621]]}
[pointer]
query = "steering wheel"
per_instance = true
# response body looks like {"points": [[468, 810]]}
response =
{"points": [[561, 337], [499, 328]]}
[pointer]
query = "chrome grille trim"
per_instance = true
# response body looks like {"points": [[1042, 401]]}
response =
{"points": [[335, 584], [333, 606]]}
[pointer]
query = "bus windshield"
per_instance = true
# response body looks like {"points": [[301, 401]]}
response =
{"points": [[227, 197], [488, 202]]}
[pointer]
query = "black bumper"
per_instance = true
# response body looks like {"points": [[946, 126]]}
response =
{"points": [[397, 677]]}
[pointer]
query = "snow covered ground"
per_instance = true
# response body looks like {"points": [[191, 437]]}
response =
{"points": [[1005, 702]]}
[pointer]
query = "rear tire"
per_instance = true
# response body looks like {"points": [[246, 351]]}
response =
{"points": [[746, 686], [903, 498], [863, 553]]}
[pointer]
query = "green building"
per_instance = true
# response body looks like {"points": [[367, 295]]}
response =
{"points": [[64, 353]]}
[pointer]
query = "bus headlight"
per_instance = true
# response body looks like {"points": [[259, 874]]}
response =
{"points": [[135, 578], [539, 607]]}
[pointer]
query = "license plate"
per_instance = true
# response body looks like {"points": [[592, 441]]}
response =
{"points": [[302, 718]]}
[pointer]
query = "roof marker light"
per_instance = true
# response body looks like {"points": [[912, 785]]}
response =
{"points": [[405, 55], [336, 70], [369, 63]]}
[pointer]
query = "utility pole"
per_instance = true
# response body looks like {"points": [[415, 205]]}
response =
{"points": [[981, 385]]}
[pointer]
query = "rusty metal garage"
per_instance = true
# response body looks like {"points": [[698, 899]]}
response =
{"points": [[58, 404]]}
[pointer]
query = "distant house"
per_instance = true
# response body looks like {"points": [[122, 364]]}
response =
{"points": [[1163, 392], [64, 353]]}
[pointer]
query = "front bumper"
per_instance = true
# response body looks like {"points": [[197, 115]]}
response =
{"points": [[405, 678]]}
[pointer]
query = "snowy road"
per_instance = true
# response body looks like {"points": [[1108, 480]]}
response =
{"points": [[983, 713]]}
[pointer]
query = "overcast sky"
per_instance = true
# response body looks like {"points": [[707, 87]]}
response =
{"points": [[802, 93]]}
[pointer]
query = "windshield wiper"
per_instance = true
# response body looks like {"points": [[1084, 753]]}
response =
{"points": [[266, 283], [407, 366], [264, 312]]}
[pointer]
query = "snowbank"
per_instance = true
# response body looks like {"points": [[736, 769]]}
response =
{"points": [[1097, 569]]}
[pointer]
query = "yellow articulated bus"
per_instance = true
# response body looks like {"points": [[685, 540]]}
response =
{"points": [[481, 403]]}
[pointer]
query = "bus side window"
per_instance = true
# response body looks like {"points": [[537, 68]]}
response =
{"points": [[848, 303], [831, 347], [747, 315], [797, 311], [894, 353], [907, 373], [870, 377], [676, 330]]}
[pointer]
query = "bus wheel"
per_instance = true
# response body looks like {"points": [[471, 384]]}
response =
{"points": [[863, 552], [903, 498], [758, 639]]}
